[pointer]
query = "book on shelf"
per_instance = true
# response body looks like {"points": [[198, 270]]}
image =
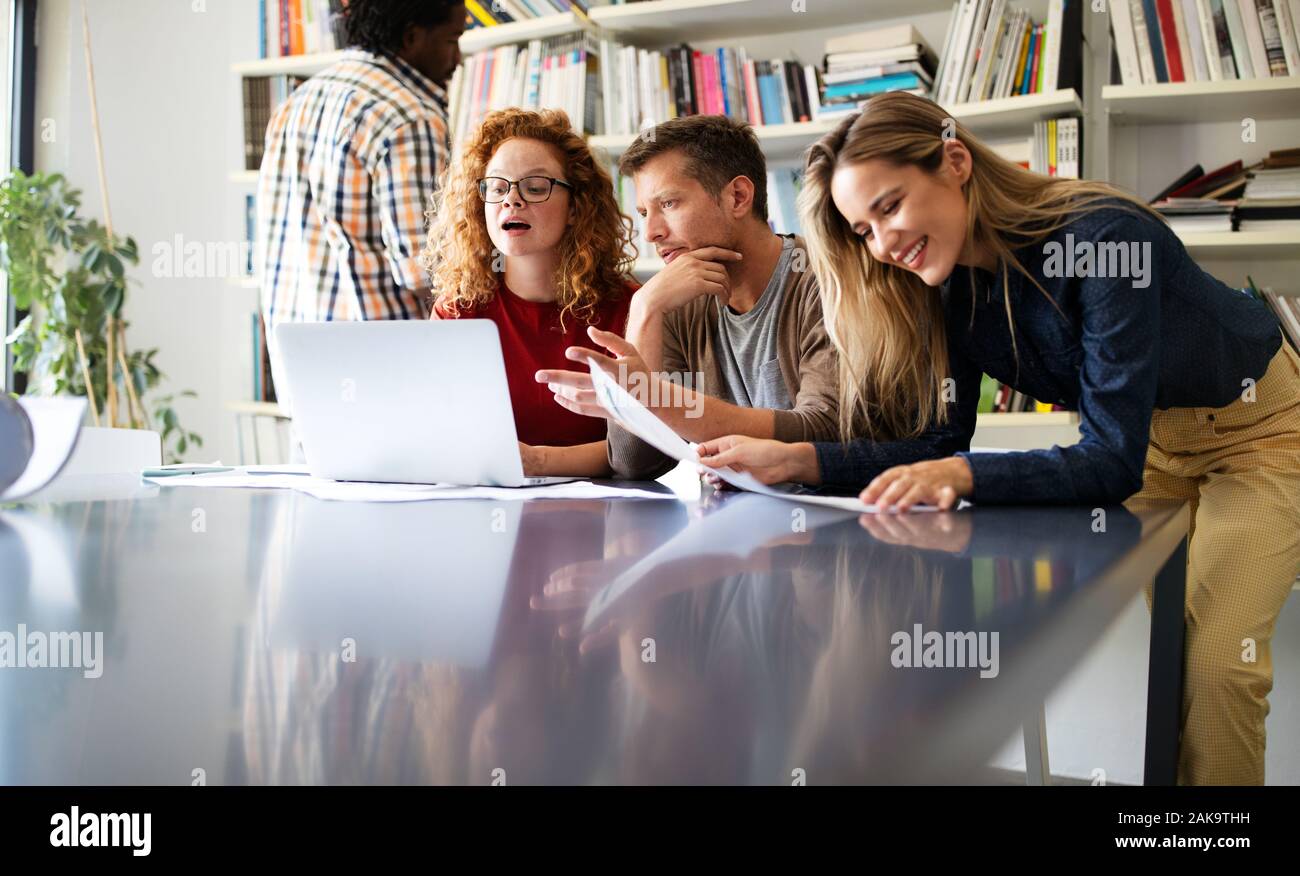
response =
{"points": [[1285, 305], [1196, 214], [1235, 197], [1056, 147], [724, 81], [1204, 40], [608, 88], [994, 49], [1271, 200], [870, 62], [263, 386], [262, 95], [300, 27], [250, 224], [1199, 201], [562, 72]]}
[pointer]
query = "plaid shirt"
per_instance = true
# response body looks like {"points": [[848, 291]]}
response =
{"points": [[350, 164]]}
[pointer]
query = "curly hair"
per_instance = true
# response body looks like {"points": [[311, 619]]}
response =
{"points": [[378, 26], [596, 253]]}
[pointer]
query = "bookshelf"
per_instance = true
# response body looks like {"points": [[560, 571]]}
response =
{"points": [[771, 29]]}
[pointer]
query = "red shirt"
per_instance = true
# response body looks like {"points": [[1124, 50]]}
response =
{"points": [[531, 340]]}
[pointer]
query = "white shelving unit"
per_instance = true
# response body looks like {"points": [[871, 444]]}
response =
{"points": [[672, 21], [289, 65], [1018, 112], [1025, 431], [990, 116], [779, 141], [1178, 102], [481, 38], [1244, 245]]}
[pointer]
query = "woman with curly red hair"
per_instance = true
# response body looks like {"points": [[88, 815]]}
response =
{"points": [[526, 232]]}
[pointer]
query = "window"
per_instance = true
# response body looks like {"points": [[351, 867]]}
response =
{"points": [[17, 99]]}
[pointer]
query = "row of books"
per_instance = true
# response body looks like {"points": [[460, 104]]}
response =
{"points": [[490, 13], [641, 88], [300, 27], [561, 72], [871, 62], [1057, 148], [1264, 196], [609, 88], [1205, 40], [1287, 307], [992, 50], [262, 94]]}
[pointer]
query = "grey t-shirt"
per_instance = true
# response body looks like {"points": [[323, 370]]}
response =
{"points": [[746, 344]]}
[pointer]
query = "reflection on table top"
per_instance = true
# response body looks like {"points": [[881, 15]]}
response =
{"points": [[270, 638]]}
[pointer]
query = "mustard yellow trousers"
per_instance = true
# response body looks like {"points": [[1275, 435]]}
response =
{"points": [[1239, 467]]}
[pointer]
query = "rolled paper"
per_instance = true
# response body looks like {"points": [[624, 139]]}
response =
{"points": [[16, 441]]}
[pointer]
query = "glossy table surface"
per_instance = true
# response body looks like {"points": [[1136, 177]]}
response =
{"points": [[265, 637]]}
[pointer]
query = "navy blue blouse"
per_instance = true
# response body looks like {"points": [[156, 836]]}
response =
{"points": [[1143, 328]]}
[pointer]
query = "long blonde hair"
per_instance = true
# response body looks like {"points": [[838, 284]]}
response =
{"points": [[886, 323], [596, 253]]}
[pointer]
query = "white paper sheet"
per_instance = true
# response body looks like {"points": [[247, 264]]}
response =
{"points": [[355, 491], [637, 419], [56, 423]]}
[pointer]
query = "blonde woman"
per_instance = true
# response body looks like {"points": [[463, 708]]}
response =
{"points": [[939, 260], [527, 233]]}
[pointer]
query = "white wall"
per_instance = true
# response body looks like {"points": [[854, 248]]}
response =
{"points": [[172, 131]]}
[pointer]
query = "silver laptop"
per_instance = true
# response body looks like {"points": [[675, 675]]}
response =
{"points": [[411, 402]]}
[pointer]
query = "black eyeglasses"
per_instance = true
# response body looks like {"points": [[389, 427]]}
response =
{"points": [[533, 189]]}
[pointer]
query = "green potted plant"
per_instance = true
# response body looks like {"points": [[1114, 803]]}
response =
{"points": [[69, 273]]}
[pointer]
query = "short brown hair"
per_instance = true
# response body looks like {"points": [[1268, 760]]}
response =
{"points": [[717, 149]]}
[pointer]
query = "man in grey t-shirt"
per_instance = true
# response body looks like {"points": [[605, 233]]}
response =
{"points": [[730, 334], [747, 344]]}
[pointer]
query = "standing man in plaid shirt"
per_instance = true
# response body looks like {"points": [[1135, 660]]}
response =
{"points": [[351, 162]]}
